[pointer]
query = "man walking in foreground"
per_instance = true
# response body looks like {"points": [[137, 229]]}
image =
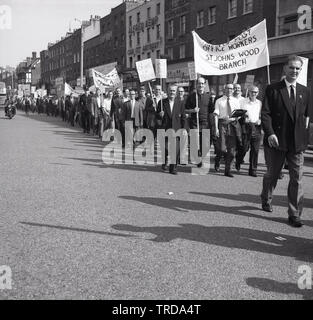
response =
{"points": [[285, 121]]}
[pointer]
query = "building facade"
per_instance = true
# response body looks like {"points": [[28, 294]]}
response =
{"points": [[8, 76], [216, 22], [61, 59], [294, 35]]}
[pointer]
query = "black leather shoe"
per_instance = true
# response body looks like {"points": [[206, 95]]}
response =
{"points": [[217, 168], [164, 168], [253, 174], [238, 167], [173, 169], [200, 165], [267, 207], [295, 222], [228, 174], [281, 176]]}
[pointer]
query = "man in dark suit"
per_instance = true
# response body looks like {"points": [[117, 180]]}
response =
{"points": [[134, 111], [119, 113], [172, 113], [285, 121], [198, 103], [96, 107]]}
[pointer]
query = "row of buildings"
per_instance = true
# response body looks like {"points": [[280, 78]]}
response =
{"points": [[141, 29]]}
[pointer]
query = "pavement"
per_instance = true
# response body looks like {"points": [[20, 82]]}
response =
{"points": [[72, 227]]}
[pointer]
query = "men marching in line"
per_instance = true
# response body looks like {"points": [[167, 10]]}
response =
{"points": [[251, 131], [227, 129], [197, 105]]}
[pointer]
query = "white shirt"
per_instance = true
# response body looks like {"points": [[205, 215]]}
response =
{"points": [[241, 100], [132, 102], [294, 84], [253, 110], [107, 105], [221, 106], [171, 105], [99, 102]]}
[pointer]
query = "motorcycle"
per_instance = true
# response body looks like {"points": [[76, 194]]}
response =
{"points": [[10, 111]]}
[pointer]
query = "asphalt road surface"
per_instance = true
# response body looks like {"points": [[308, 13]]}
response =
{"points": [[72, 227]]}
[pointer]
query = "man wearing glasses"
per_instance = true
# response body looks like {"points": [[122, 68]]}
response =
{"points": [[251, 133], [226, 128]]}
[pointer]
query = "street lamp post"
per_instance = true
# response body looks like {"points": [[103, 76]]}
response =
{"points": [[81, 54]]}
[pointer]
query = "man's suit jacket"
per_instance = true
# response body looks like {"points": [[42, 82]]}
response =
{"points": [[175, 119], [138, 112], [117, 109], [280, 118], [148, 111], [95, 108]]}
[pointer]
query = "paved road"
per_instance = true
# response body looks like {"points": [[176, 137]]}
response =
{"points": [[72, 227]]}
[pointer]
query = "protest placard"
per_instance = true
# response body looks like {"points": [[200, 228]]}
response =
{"points": [[145, 70], [247, 51], [192, 71], [161, 68], [303, 77]]}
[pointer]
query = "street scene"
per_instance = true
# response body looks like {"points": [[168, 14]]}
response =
{"points": [[160, 150]]}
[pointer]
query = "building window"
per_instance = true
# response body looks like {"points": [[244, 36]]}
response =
{"points": [[232, 8], [148, 13], [171, 29], [130, 41], [148, 55], [182, 24], [78, 57], [288, 24], [200, 19], [138, 17], [182, 51], [138, 57], [247, 6], [158, 9], [170, 53], [158, 31], [115, 42], [74, 57], [130, 62], [212, 15], [138, 38], [130, 21], [158, 54], [148, 35]]}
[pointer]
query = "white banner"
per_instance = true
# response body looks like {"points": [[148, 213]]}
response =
{"points": [[246, 52], [109, 80], [145, 70], [68, 90], [192, 71], [161, 68]]}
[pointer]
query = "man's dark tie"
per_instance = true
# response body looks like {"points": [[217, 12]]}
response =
{"points": [[228, 107], [292, 96]]}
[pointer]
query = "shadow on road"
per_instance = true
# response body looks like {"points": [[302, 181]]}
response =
{"points": [[186, 206], [230, 237], [32, 224], [269, 285], [277, 199]]}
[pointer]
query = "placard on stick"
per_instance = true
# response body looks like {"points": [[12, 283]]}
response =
{"points": [[145, 70], [161, 68]]}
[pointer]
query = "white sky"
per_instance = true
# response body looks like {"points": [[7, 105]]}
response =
{"points": [[37, 22]]}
